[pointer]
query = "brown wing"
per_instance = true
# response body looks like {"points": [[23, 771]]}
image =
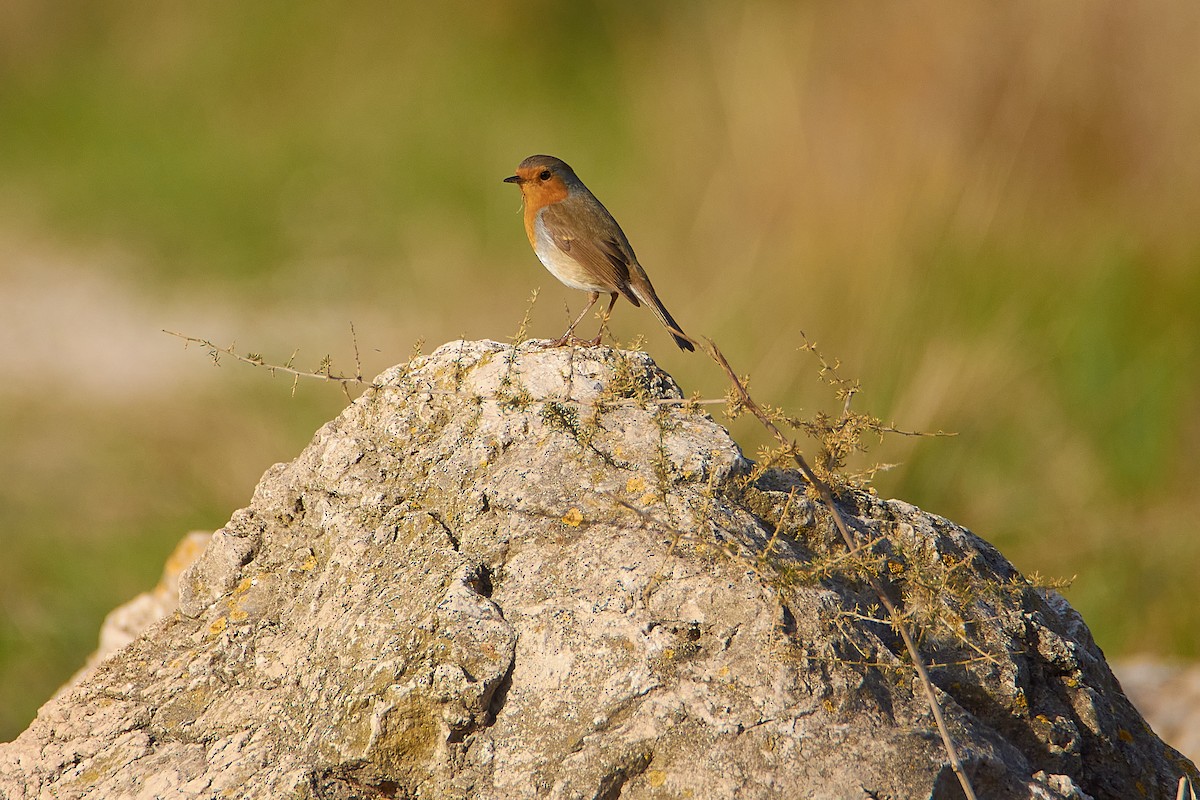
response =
{"points": [[581, 232]]}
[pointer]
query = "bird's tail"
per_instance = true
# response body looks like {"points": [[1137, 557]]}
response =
{"points": [[651, 299]]}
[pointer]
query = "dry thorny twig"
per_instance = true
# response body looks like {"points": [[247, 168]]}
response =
{"points": [[323, 372], [848, 538]]}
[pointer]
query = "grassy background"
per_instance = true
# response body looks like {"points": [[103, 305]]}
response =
{"points": [[987, 212]]}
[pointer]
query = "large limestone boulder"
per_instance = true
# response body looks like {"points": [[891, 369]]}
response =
{"points": [[519, 573]]}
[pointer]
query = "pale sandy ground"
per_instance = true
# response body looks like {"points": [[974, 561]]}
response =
{"points": [[1168, 695], [67, 323], [87, 322]]}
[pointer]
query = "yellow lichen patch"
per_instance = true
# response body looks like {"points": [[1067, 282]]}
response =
{"points": [[407, 735], [656, 777], [234, 601], [620, 643], [573, 518], [635, 485], [218, 625], [310, 563]]}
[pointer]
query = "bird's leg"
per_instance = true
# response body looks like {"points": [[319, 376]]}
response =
{"points": [[566, 337], [604, 320]]}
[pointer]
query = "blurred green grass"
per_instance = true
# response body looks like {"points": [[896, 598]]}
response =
{"points": [[988, 213]]}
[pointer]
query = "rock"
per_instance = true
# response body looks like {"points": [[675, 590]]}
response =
{"points": [[531, 572], [126, 622]]}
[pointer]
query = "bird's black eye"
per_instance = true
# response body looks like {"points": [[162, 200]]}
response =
{"points": [[544, 175]]}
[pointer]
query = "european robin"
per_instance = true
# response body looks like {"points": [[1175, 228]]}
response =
{"points": [[581, 244]]}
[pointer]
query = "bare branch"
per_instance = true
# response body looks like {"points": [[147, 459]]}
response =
{"points": [[748, 402], [324, 371]]}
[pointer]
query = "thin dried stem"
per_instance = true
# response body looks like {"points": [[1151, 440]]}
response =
{"points": [[324, 371], [748, 402]]}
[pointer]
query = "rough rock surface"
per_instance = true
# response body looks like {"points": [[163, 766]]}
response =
{"points": [[518, 573]]}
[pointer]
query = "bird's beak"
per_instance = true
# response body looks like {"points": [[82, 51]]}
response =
{"points": [[513, 179]]}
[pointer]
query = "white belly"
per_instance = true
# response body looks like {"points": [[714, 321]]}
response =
{"points": [[561, 265]]}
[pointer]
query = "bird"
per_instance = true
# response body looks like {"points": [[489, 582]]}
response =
{"points": [[580, 243]]}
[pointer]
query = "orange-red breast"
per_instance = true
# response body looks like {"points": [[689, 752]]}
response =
{"points": [[581, 244]]}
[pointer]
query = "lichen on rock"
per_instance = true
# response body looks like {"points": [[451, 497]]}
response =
{"points": [[524, 572]]}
